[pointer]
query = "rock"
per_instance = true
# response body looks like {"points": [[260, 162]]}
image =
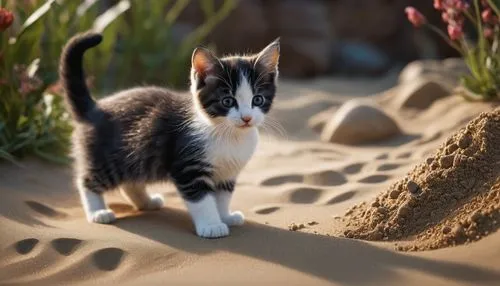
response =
{"points": [[464, 141], [295, 227], [372, 14], [356, 122], [307, 47], [446, 161], [451, 148], [476, 216], [412, 187], [416, 70], [318, 121], [252, 29], [446, 229], [420, 94], [382, 210], [394, 194], [310, 27], [458, 231], [429, 160], [456, 66], [360, 58], [449, 70], [403, 211]]}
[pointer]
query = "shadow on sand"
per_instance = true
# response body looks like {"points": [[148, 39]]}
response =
{"points": [[334, 259]]}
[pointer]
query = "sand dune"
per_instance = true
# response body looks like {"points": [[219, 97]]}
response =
{"points": [[45, 239]]}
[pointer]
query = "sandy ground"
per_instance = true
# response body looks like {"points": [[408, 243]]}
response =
{"points": [[45, 240]]}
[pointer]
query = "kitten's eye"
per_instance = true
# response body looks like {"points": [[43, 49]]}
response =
{"points": [[228, 101], [258, 100]]}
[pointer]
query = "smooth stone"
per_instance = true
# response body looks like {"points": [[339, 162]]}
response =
{"points": [[358, 122], [420, 94]]}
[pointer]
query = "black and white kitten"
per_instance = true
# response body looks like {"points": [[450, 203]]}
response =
{"points": [[150, 134]]}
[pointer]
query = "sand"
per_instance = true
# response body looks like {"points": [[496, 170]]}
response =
{"points": [[292, 180], [450, 198]]}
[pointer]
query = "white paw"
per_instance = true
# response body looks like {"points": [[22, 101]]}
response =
{"points": [[235, 218], [155, 202], [212, 230], [103, 216]]}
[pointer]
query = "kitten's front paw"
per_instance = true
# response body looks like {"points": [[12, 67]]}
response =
{"points": [[235, 218], [155, 203], [212, 230], [103, 216]]}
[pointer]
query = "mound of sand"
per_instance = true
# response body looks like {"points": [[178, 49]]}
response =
{"points": [[449, 199]]}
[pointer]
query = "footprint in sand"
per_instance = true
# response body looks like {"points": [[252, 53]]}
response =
{"points": [[353, 168], [46, 210], [25, 246], [341, 197], [321, 178], [280, 180], [388, 167], [264, 210], [325, 178], [304, 195], [384, 156], [404, 155], [374, 179], [65, 246], [108, 259]]}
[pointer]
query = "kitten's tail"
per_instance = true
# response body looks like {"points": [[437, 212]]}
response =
{"points": [[73, 77]]}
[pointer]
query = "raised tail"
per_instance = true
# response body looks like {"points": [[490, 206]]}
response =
{"points": [[73, 77]]}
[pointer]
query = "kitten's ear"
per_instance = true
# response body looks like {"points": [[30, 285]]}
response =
{"points": [[268, 58], [203, 63]]}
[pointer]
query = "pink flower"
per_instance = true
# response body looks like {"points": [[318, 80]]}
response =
{"points": [[415, 17], [487, 16], [438, 4], [446, 17], [488, 33], [461, 5], [6, 19], [455, 32]]}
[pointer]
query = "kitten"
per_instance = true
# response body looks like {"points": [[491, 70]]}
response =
{"points": [[150, 134]]}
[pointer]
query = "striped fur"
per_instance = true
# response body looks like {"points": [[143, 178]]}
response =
{"points": [[149, 134]]}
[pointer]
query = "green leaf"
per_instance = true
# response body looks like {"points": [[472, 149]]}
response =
{"points": [[37, 15], [7, 156], [52, 157], [110, 15]]}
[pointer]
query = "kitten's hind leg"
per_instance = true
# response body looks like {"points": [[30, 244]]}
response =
{"points": [[136, 194], [94, 205]]}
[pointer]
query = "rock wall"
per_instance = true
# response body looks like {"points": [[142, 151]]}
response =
{"points": [[322, 36]]}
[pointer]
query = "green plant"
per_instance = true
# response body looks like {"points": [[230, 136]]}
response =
{"points": [[483, 56], [138, 47], [146, 40], [31, 121]]}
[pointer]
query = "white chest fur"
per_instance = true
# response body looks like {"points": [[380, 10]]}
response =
{"points": [[230, 155]]}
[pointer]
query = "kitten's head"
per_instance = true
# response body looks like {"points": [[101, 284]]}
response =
{"points": [[235, 91]]}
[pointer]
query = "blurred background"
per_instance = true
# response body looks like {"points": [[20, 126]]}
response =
{"points": [[319, 37], [150, 42]]}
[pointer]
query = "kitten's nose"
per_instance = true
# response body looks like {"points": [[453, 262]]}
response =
{"points": [[246, 118]]}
